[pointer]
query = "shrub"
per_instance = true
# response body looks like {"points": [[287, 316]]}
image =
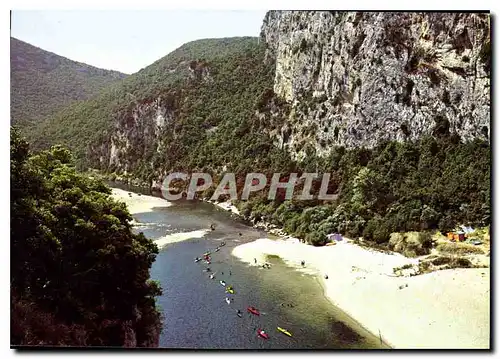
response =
{"points": [[316, 238], [459, 248], [411, 244], [369, 229], [441, 260], [381, 234], [461, 263]]}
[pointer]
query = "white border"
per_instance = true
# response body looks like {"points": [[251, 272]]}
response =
{"points": [[198, 4]]}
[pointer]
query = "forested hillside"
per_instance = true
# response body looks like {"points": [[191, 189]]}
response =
{"points": [[43, 82], [79, 276]]}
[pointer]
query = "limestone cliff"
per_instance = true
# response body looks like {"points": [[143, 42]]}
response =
{"points": [[355, 79]]}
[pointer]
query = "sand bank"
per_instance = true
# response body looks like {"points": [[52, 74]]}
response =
{"points": [[141, 204], [444, 309], [227, 206], [138, 203], [179, 237]]}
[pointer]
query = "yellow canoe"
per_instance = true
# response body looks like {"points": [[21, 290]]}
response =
{"points": [[284, 331], [230, 290]]}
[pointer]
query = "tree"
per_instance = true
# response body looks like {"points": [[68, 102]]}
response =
{"points": [[74, 255]]}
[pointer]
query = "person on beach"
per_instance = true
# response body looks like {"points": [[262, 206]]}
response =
{"points": [[303, 263], [255, 260]]}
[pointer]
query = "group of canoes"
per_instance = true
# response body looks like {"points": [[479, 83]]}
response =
{"points": [[206, 255], [230, 290]]}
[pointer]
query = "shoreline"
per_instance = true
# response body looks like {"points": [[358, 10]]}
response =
{"points": [[383, 342], [443, 309], [138, 203], [144, 203], [435, 310]]}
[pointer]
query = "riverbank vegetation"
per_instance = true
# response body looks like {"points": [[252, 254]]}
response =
{"points": [[79, 275], [434, 183]]}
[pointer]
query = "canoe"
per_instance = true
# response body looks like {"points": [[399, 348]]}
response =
{"points": [[253, 310], [284, 331], [262, 334]]}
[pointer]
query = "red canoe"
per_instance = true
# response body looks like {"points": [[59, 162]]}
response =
{"points": [[262, 334], [253, 310]]}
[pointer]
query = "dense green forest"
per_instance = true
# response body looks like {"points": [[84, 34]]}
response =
{"points": [[79, 275], [220, 94], [236, 73], [435, 183], [43, 83]]}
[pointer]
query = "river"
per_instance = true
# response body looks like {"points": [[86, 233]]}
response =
{"points": [[196, 315]]}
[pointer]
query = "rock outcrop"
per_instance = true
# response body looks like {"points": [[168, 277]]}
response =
{"points": [[355, 79]]}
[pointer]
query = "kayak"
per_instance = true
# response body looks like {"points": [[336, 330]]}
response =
{"points": [[197, 260], [223, 244], [239, 315], [262, 334], [228, 301], [284, 331], [212, 276], [230, 290], [222, 283], [206, 254], [217, 249], [253, 310]]}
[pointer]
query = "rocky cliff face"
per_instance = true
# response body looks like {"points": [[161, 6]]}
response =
{"points": [[355, 79], [137, 135]]}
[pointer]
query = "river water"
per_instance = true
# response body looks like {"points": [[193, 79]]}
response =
{"points": [[196, 315]]}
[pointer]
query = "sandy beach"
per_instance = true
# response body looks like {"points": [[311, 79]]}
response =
{"points": [[141, 204], [138, 203], [227, 206], [444, 309]]}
